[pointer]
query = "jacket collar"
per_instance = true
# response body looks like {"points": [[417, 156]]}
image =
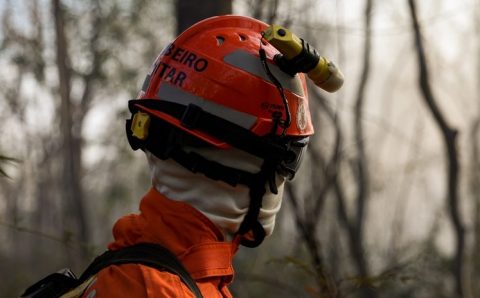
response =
{"points": [[182, 229]]}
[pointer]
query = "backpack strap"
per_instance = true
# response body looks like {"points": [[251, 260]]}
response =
{"points": [[147, 254], [54, 285]]}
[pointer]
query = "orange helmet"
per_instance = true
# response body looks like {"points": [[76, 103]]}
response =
{"points": [[216, 65]]}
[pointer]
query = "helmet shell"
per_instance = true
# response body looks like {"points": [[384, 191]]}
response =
{"points": [[215, 65]]}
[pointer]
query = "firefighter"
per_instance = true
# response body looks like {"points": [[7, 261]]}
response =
{"points": [[223, 122]]}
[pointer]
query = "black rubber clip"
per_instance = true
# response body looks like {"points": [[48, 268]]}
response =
{"points": [[190, 116]]}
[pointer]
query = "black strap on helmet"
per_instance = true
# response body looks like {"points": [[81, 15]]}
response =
{"points": [[257, 191], [195, 118], [303, 62], [288, 117]]}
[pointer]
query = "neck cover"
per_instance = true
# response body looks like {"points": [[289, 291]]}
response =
{"points": [[223, 204]]}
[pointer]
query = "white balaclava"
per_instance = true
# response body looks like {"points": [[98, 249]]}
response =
{"points": [[222, 203]]}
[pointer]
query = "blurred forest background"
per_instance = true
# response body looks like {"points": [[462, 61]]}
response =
{"points": [[386, 205]]}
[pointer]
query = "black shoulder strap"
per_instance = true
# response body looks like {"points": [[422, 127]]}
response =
{"points": [[52, 286], [148, 254]]}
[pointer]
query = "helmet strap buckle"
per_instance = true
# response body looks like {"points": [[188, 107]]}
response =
{"points": [[190, 116]]}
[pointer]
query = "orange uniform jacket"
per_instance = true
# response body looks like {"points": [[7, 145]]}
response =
{"points": [[187, 233]]}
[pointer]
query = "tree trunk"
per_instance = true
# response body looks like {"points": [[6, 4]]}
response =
{"points": [[449, 135], [189, 12], [475, 172], [72, 195], [363, 183]]}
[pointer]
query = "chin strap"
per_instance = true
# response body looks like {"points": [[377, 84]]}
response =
{"points": [[250, 222]]}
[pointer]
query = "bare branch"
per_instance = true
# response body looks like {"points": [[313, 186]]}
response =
{"points": [[65, 239], [257, 7], [333, 165], [326, 284], [449, 135], [96, 63], [362, 171], [475, 193], [357, 228], [408, 176], [273, 11]]}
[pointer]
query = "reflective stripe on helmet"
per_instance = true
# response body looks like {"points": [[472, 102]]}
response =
{"points": [[172, 94], [253, 65], [146, 82]]}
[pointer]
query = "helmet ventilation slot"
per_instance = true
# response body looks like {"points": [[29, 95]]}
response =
{"points": [[220, 40]]}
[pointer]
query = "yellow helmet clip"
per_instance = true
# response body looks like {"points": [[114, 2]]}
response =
{"points": [[140, 125]]}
